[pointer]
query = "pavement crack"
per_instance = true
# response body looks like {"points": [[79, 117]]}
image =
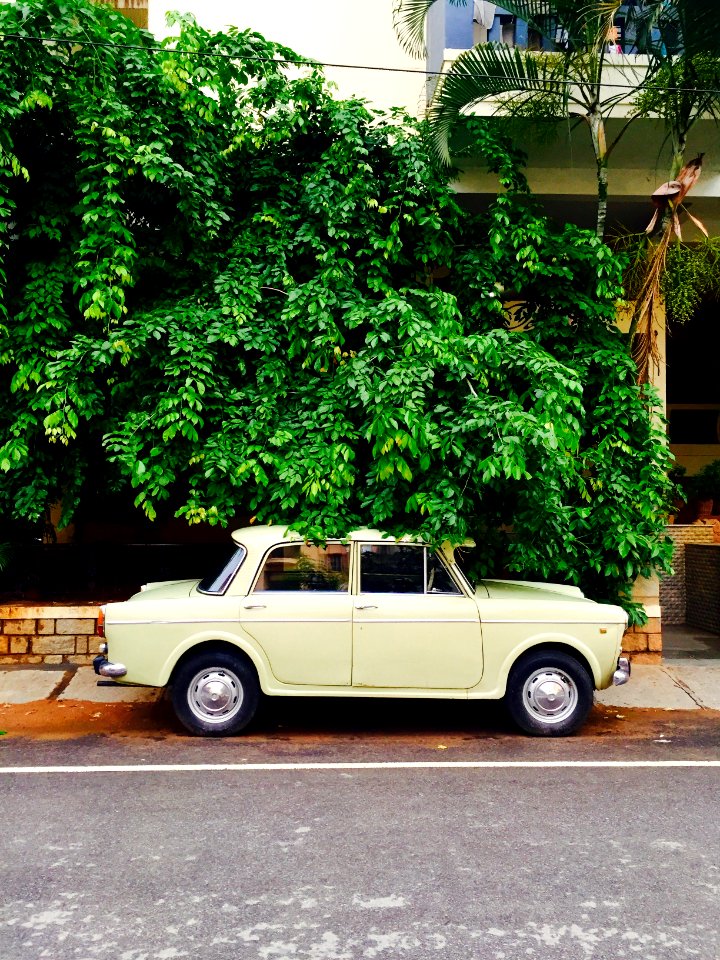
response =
{"points": [[62, 685], [685, 688]]}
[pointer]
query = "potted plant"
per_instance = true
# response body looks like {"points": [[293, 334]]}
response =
{"points": [[704, 487]]}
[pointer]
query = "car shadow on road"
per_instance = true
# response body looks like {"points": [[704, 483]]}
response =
{"points": [[378, 717]]}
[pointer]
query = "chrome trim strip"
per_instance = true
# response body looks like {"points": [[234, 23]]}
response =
{"points": [[414, 620], [146, 623], [213, 620], [239, 620], [587, 623], [296, 620]]}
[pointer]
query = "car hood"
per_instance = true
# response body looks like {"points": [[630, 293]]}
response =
{"points": [[528, 590], [548, 601], [166, 590]]}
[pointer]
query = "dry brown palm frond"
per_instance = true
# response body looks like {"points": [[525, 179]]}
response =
{"points": [[668, 202], [668, 198], [644, 337]]}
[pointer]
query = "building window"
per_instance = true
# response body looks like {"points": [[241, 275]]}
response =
{"points": [[135, 10]]}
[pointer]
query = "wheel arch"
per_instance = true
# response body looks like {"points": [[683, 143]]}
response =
{"points": [[209, 645], [560, 645]]}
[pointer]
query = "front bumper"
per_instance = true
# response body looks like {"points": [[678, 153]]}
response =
{"points": [[104, 668], [622, 674]]}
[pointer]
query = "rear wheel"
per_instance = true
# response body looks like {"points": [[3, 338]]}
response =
{"points": [[549, 694], [215, 694]]}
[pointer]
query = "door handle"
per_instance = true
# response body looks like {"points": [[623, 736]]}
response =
{"points": [[253, 606], [366, 606]]}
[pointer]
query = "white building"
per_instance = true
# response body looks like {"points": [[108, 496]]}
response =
{"points": [[344, 34]]}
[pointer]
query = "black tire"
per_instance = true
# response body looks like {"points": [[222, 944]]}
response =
{"points": [[215, 694], [549, 694]]}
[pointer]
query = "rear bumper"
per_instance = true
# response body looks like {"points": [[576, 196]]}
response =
{"points": [[622, 674], [104, 668]]}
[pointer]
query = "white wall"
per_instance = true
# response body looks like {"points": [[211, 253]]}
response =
{"points": [[356, 32]]}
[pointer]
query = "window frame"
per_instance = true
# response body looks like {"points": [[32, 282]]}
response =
{"points": [[461, 588], [301, 543], [227, 574]]}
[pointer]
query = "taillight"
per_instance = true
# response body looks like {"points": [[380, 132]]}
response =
{"points": [[100, 629]]}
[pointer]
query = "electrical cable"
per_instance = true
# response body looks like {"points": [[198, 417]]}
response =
{"points": [[308, 62]]}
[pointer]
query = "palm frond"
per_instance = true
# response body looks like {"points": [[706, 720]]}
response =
{"points": [[567, 23], [489, 70], [599, 22], [670, 27], [409, 18], [700, 26]]}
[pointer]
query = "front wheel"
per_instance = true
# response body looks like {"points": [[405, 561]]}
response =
{"points": [[215, 694], [549, 694]]}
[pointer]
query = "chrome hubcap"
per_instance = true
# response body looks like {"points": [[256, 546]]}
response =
{"points": [[550, 695], [215, 696]]}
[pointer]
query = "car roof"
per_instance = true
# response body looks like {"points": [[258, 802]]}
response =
{"points": [[265, 534], [262, 536]]}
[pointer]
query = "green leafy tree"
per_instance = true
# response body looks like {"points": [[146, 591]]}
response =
{"points": [[228, 292]]}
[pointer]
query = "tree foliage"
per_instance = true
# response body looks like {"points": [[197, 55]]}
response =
{"points": [[690, 274], [225, 291]]}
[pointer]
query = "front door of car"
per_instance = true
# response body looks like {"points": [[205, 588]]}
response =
{"points": [[300, 612], [413, 626]]}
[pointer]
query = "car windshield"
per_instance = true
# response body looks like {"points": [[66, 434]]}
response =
{"points": [[220, 580]]}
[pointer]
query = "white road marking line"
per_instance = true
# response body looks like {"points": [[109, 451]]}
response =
{"points": [[361, 765]]}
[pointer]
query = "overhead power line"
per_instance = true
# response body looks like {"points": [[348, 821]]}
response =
{"points": [[212, 54], [309, 62]]}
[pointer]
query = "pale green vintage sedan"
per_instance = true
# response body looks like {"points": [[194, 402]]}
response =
{"points": [[368, 616]]}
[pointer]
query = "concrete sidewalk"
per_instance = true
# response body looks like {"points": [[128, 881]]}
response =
{"points": [[26, 684], [673, 685]]}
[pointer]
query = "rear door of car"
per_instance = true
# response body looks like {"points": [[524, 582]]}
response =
{"points": [[413, 626]]}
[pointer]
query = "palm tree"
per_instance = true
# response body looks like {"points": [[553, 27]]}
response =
{"points": [[682, 42], [568, 81]]}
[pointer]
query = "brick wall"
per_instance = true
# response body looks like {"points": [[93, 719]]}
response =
{"points": [[673, 589], [702, 565], [644, 644], [48, 634]]}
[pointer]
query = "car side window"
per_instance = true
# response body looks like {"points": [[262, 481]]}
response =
{"points": [[392, 568], [402, 568], [304, 566]]}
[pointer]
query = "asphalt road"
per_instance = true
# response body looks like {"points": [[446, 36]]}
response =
{"points": [[276, 846]]}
